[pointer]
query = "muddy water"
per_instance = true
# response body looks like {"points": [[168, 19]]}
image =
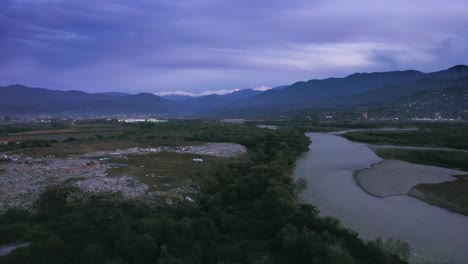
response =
{"points": [[434, 233]]}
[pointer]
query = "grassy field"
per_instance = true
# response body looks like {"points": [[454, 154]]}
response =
{"points": [[446, 159], [434, 137], [451, 195], [81, 139], [166, 170], [161, 171]]}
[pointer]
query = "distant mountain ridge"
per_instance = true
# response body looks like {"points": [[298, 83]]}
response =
{"points": [[215, 101], [115, 93], [176, 97], [303, 94], [358, 88], [19, 99], [448, 102]]}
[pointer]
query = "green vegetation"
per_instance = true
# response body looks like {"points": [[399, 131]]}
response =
{"points": [[439, 158], [329, 126], [165, 170], [245, 212], [7, 128], [452, 195], [306, 124], [37, 143], [84, 138], [454, 137]]}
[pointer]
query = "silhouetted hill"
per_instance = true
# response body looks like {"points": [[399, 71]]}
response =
{"points": [[393, 92], [302, 92], [450, 102], [454, 72], [355, 88], [19, 99]]}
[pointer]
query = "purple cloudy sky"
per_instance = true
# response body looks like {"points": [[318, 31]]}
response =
{"points": [[199, 45]]}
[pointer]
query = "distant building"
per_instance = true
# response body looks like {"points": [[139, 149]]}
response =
{"points": [[364, 115], [197, 160]]}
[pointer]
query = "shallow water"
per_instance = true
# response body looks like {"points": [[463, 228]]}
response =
{"points": [[433, 233]]}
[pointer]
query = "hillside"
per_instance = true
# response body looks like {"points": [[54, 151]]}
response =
{"points": [[215, 101], [449, 102], [18, 99], [353, 90], [394, 92], [313, 92]]}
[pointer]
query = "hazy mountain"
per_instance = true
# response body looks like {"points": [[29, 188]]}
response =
{"points": [[358, 88], [280, 87], [393, 92], [216, 101], [302, 92], [454, 72], [19, 99], [115, 93], [177, 97], [211, 101], [375, 86]]}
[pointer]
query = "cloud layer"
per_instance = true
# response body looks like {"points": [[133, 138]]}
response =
{"points": [[210, 45]]}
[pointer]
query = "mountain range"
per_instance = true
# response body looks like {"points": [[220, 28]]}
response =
{"points": [[355, 89]]}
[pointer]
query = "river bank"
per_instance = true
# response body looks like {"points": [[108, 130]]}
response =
{"points": [[395, 177], [433, 233]]}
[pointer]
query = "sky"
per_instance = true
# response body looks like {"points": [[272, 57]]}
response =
{"points": [[220, 46]]}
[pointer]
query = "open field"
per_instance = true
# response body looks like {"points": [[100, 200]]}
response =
{"points": [[166, 170], [87, 138], [133, 160]]}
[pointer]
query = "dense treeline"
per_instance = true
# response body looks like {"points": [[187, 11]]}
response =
{"points": [[450, 137], [439, 158], [306, 125], [245, 213], [8, 128], [317, 126]]}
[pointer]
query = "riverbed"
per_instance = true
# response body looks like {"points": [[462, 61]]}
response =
{"points": [[433, 233]]}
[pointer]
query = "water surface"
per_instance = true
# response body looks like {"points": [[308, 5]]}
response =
{"points": [[433, 233]]}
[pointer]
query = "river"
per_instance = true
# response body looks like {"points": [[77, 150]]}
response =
{"points": [[433, 233]]}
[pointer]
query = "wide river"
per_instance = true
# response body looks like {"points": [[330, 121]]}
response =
{"points": [[433, 233]]}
